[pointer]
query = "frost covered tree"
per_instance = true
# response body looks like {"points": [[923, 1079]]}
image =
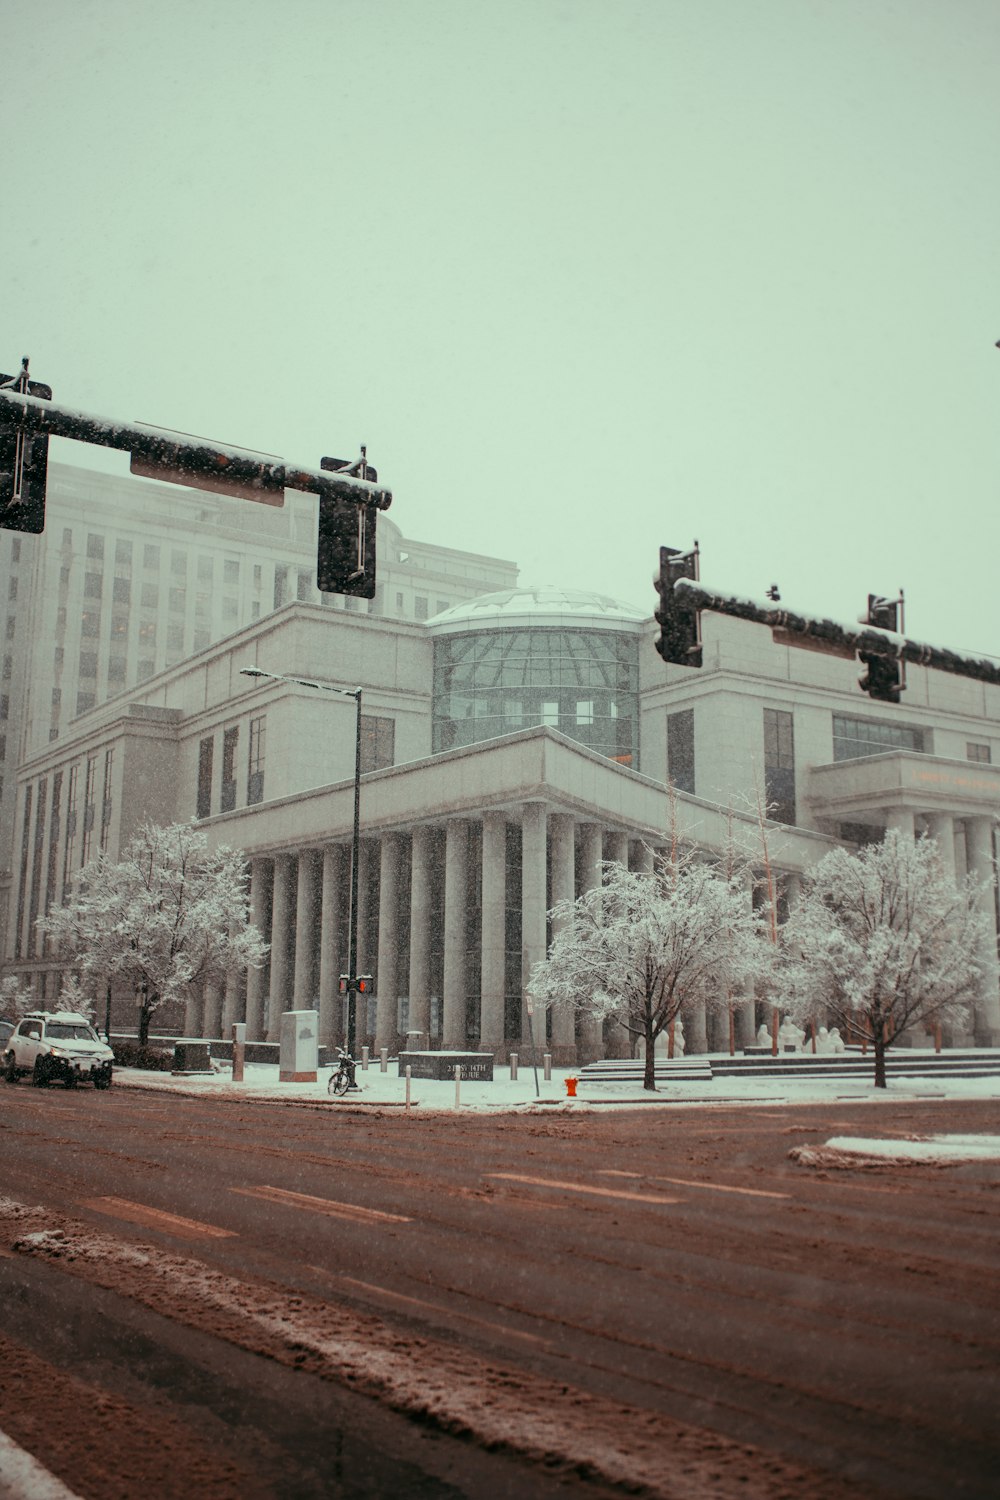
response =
{"points": [[15, 998], [169, 916], [883, 940], [644, 947]]}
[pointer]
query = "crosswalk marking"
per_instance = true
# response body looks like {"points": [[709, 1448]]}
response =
{"points": [[157, 1218], [579, 1187], [323, 1205], [714, 1187]]}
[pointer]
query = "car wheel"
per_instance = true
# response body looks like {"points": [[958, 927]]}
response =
{"points": [[41, 1074], [102, 1080], [71, 1080], [10, 1071]]}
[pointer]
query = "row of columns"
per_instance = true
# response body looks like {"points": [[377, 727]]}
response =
{"points": [[306, 893]]}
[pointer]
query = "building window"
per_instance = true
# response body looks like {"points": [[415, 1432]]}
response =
{"points": [[70, 845], [122, 590], [779, 765], [88, 663], [854, 738], [206, 751], [420, 608], [12, 589], [106, 800], [117, 670], [151, 557], [88, 811], [8, 667], [680, 750], [90, 622], [95, 546], [304, 587], [255, 764], [205, 569], [378, 742], [147, 633], [4, 706], [230, 571], [93, 586], [150, 596], [980, 753], [177, 599], [178, 564], [230, 740], [123, 553], [175, 641], [85, 702], [280, 586]]}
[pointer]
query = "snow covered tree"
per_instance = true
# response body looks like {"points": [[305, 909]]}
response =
{"points": [[168, 916], [15, 998], [883, 940], [646, 946]]}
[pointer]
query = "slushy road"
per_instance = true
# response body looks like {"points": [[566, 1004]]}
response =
{"points": [[662, 1288]]}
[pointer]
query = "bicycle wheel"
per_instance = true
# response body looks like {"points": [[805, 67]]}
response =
{"points": [[341, 1082], [334, 1080]]}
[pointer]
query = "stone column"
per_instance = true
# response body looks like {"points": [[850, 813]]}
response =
{"points": [[590, 1032], [617, 1042], [387, 982], [304, 992], [456, 859], [979, 855], [281, 918], [616, 847], [193, 1011], [364, 954], [640, 856], [532, 913], [257, 979], [493, 961], [331, 1025], [230, 1003], [901, 818], [211, 1021], [563, 889], [942, 831], [420, 931]]}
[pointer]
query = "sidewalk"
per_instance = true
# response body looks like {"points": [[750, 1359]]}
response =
{"points": [[378, 1090]]}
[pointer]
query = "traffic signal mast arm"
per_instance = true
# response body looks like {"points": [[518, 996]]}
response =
{"points": [[828, 635], [192, 455]]}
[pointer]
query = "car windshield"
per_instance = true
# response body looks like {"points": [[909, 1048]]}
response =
{"points": [[64, 1031]]}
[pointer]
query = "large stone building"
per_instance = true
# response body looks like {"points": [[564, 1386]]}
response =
{"points": [[131, 577], [510, 743]]}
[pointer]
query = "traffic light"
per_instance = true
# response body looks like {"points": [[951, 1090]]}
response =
{"points": [[883, 675], [345, 984], [365, 986], [679, 640], [345, 544], [24, 458], [362, 985]]}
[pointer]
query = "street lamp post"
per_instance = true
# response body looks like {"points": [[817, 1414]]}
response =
{"points": [[352, 934]]}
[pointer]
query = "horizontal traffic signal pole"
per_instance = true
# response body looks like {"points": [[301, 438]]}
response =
{"points": [[245, 472], [829, 636]]}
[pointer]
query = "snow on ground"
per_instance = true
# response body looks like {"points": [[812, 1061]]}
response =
{"points": [[861, 1151], [387, 1090]]}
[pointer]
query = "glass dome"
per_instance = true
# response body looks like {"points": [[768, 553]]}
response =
{"points": [[527, 656]]}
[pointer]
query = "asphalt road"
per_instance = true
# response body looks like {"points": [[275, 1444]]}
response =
{"points": [[670, 1281]]}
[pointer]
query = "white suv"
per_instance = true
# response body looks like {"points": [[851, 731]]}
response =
{"points": [[57, 1044]]}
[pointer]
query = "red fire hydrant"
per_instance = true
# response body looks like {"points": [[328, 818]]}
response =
{"points": [[571, 1088]]}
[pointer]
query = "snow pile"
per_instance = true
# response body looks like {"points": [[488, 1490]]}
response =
{"points": [[936, 1150]]}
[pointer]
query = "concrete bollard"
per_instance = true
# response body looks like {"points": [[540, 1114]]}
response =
{"points": [[513, 1067], [383, 1058], [364, 1059], [409, 1074], [458, 1086], [239, 1049], [547, 1066]]}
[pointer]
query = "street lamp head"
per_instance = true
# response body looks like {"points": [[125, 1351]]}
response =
{"points": [[252, 672]]}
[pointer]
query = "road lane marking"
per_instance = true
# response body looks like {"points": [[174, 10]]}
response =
{"points": [[323, 1205], [579, 1187], [156, 1218], [713, 1187], [398, 1299]]}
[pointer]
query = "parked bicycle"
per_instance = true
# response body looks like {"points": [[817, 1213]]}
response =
{"points": [[342, 1077]]}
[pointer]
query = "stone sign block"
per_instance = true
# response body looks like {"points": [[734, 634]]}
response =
{"points": [[477, 1066]]}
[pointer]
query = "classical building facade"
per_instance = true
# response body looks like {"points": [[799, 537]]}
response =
{"points": [[132, 577], [509, 745]]}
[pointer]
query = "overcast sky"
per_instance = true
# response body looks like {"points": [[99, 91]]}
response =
{"points": [[587, 276]]}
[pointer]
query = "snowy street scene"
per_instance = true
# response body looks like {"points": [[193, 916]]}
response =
{"points": [[500, 750]]}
